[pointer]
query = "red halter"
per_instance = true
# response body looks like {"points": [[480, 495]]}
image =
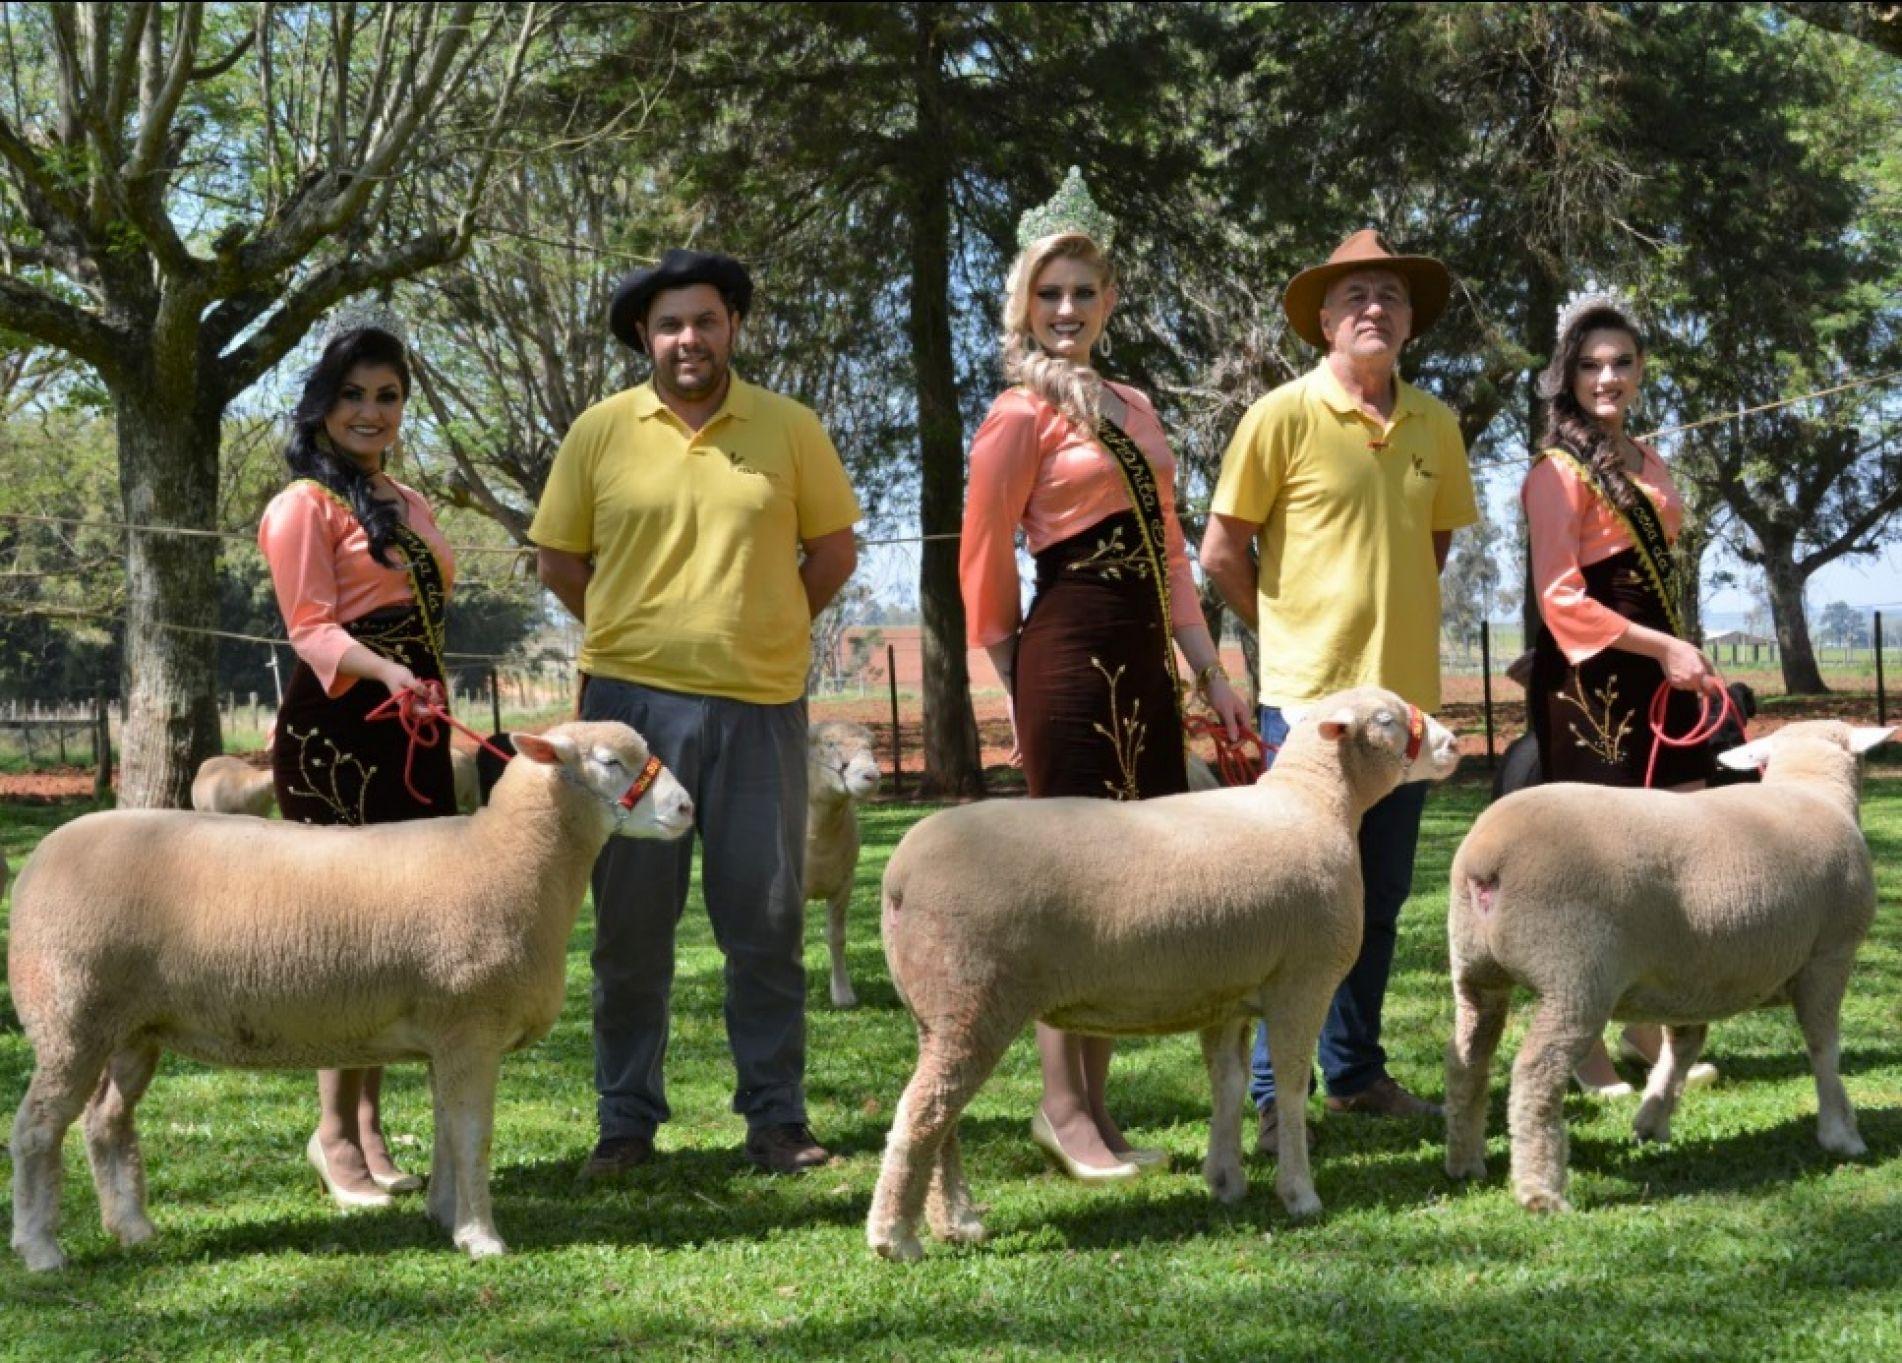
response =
{"points": [[642, 783], [1416, 732]]}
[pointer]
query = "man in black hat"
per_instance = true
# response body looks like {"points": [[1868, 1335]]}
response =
{"points": [[695, 525]]}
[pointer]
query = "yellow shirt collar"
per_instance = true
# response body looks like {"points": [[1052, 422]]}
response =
{"points": [[1407, 398], [739, 402]]}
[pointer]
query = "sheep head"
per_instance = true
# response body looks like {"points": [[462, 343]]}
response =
{"points": [[1382, 740], [610, 761], [840, 761], [1826, 747]]}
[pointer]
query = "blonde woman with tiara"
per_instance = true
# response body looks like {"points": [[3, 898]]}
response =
{"points": [[1082, 467]]}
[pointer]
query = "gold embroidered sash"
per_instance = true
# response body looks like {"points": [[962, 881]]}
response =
{"points": [[1139, 479]]}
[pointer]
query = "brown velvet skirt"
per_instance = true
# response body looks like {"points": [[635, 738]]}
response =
{"points": [[332, 765], [1094, 698], [1592, 719]]}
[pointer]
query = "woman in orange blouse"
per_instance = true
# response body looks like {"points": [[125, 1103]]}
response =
{"points": [[1601, 514], [362, 575], [1083, 468]]}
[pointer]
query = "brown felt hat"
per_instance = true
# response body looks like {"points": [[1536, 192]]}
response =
{"points": [[1428, 284]]}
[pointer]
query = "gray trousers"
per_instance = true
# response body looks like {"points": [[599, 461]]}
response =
{"points": [[745, 767]]}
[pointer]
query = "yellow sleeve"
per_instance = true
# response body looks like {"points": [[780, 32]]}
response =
{"points": [[824, 497], [1454, 504], [564, 519], [1254, 466]]}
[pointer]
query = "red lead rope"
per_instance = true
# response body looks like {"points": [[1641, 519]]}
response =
{"points": [[1234, 764], [1703, 731], [420, 723], [420, 709]]}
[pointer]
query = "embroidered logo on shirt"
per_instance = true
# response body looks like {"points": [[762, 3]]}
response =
{"points": [[1420, 470], [741, 466]]}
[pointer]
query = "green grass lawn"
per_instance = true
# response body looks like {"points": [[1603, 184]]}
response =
{"points": [[1739, 1240]]}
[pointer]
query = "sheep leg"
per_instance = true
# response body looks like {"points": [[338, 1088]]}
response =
{"points": [[112, 1143], [842, 994], [1817, 991], [947, 1077], [949, 1210], [1665, 1087], [1296, 1011], [465, 1104], [1479, 1017], [1559, 1037], [1224, 1050], [54, 1098], [442, 1164]]}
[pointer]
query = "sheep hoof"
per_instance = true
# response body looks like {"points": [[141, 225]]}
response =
{"points": [[133, 1232], [41, 1256], [901, 1249], [1544, 1202], [1227, 1184], [479, 1244], [1301, 1203], [843, 997], [1845, 1143], [1652, 1124], [963, 1230], [1465, 1166]]}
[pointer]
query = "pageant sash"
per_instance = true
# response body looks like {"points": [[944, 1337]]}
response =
{"points": [[1146, 499]]}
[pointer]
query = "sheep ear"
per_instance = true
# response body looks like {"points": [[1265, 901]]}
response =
{"points": [[1862, 738], [550, 752], [1747, 758], [1338, 725]]}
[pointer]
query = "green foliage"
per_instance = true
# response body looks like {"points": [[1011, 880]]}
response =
{"points": [[1738, 1240]]}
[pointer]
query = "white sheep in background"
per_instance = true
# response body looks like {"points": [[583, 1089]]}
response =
{"points": [[1195, 912], [231, 785], [1655, 906], [841, 770], [268, 944]]}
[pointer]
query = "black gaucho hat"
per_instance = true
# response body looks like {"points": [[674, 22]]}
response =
{"points": [[676, 270]]}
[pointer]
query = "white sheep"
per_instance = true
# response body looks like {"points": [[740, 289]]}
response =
{"points": [[1655, 906], [267, 944], [231, 785], [841, 770], [1195, 912]]}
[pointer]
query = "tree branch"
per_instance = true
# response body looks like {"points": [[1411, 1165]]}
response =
{"points": [[55, 322]]}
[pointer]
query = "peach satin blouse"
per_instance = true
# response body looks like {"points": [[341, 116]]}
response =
{"points": [[1570, 526], [1032, 467], [324, 576]]}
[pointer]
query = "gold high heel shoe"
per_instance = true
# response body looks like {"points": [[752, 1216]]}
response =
{"points": [[1045, 1136], [347, 1198]]}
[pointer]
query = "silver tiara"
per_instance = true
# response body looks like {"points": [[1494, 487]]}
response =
{"points": [[1070, 209], [1578, 305], [362, 314]]}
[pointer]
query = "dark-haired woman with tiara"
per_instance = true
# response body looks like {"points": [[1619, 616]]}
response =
{"points": [[362, 575], [1602, 514]]}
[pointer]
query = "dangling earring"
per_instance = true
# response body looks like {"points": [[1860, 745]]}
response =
{"points": [[1103, 346]]}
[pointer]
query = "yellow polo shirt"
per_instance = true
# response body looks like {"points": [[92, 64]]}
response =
{"points": [[695, 539], [1347, 589]]}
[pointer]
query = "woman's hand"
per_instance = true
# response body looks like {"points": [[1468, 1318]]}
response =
{"points": [[1687, 669], [1229, 707], [400, 679]]}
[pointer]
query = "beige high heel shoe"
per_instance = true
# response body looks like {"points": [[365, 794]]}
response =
{"points": [[347, 1198], [1045, 1135]]}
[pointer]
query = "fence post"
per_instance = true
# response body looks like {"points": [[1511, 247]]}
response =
{"points": [[1882, 697], [1486, 674], [898, 751], [495, 699], [102, 729]]}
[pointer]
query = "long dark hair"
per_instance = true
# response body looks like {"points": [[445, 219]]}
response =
{"points": [[309, 451], [1568, 425]]}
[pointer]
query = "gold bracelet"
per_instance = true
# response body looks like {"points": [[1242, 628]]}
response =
{"points": [[1204, 676]]}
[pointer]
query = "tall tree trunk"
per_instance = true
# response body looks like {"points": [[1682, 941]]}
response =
{"points": [[1541, 332], [168, 476], [1785, 582], [950, 739], [1693, 538]]}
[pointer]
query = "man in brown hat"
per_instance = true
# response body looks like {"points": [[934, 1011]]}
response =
{"points": [[695, 524], [1352, 482]]}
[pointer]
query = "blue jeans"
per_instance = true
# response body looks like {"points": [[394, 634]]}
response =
{"points": [[1351, 1054]]}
